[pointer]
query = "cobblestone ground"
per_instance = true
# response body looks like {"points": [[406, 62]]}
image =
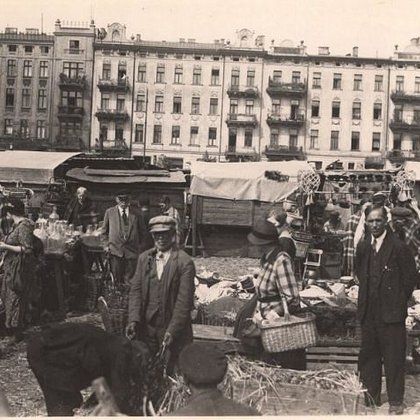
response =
{"points": [[25, 396]]}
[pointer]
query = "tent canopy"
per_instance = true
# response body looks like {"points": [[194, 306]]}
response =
{"points": [[111, 176], [245, 181], [30, 166]]}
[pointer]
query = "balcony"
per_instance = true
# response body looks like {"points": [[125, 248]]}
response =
{"points": [[241, 154], [236, 91], [113, 85], [74, 51], [112, 148], [112, 114], [276, 152], [70, 112], [398, 125], [399, 96], [241, 120], [75, 83], [400, 156], [69, 143], [293, 89], [275, 120]]}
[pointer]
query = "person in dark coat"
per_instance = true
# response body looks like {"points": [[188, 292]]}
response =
{"points": [[127, 238], [386, 272], [204, 366], [80, 209], [66, 358], [161, 294]]}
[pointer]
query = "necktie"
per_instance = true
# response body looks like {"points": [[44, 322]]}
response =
{"points": [[124, 217], [374, 243]]}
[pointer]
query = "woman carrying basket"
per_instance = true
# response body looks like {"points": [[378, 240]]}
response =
{"points": [[276, 281]]}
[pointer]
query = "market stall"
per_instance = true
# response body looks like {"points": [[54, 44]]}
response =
{"points": [[228, 198]]}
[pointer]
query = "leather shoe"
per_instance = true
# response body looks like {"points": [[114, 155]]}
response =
{"points": [[396, 410]]}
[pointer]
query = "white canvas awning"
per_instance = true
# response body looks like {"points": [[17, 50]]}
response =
{"points": [[245, 181], [30, 166]]}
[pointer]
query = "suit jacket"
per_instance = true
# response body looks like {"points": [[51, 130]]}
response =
{"points": [[137, 240], [396, 281], [74, 211], [177, 293]]}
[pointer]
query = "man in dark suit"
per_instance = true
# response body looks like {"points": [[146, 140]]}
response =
{"points": [[162, 293], [127, 238], [386, 272]]}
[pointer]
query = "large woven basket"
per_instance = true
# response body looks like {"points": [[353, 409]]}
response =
{"points": [[302, 242], [114, 319], [297, 333]]}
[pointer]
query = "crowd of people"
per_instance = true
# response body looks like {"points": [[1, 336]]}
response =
{"points": [[380, 250]]}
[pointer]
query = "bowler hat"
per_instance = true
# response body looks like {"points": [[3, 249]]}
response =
{"points": [[161, 224], [203, 363], [263, 233]]}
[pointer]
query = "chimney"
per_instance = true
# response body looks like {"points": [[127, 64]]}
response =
{"points": [[323, 50], [355, 51], [181, 40], [138, 37], [191, 40]]}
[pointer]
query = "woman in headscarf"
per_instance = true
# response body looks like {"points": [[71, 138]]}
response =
{"points": [[19, 267]]}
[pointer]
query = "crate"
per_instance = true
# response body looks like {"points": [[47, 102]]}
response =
{"points": [[344, 355]]}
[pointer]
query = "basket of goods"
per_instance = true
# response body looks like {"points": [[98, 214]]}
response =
{"points": [[302, 242], [113, 305], [289, 332]]}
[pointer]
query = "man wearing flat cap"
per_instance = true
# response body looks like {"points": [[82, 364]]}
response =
{"points": [[162, 293], [204, 366], [127, 238]]}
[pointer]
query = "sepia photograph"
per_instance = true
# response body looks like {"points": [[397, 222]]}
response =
{"points": [[209, 208]]}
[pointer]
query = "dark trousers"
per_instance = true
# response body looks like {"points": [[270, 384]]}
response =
{"points": [[122, 268], [60, 403], [383, 343]]}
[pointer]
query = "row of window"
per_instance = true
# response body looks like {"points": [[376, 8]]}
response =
{"points": [[42, 100], [24, 131], [12, 68], [28, 49], [334, 140], [356, 110]]}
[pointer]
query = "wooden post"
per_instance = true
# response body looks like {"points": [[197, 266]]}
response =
{"points": [[194, 225]]}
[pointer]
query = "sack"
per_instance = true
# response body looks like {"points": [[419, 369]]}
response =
{"points": [[16, 274]]}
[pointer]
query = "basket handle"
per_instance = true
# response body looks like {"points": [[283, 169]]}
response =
{"points": [[285, 309]]}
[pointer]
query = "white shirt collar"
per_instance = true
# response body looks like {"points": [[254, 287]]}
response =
{"points": [[379, 240], [127, 210]]}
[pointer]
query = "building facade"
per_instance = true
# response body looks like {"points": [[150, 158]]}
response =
{"points": [[100, 90]]}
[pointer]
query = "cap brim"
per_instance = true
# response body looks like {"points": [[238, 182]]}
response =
{"points": [[252, 239], [160, 229]]}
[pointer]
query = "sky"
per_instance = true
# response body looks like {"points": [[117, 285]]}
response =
{"points": [[375, 26]]}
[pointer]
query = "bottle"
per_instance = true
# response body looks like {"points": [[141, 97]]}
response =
{"points": [[52, 219]]}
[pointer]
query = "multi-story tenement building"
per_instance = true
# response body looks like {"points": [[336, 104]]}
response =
{"points": [[85, 89], [72, 82], [26, 62]]}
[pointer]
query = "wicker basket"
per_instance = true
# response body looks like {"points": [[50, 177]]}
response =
{"points": [[302, 242], [114, 319], [93, 289], [297, 333]]}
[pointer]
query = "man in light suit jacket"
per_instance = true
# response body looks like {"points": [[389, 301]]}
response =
{"points": [[127, 238], [386, 272], [162, 293]]}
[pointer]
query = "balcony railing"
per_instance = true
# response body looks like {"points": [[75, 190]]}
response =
{"points": [[280, 152], [236, 91], [70, 112], [241, 120], [76, 82], [113, 85], [277, 119], [116, 147], [402, 155], [74, 51], [112, 114], [405, 126], [69, 143], [277, 88], [398, 96]]}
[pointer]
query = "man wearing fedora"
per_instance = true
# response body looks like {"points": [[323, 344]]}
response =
{"points": [[127, 238], [162, 293]]}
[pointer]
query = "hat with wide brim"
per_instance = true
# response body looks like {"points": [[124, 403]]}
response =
{"points": [[263, 233]]}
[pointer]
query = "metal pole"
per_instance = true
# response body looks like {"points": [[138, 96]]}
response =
{"points": [[145, 127]]}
